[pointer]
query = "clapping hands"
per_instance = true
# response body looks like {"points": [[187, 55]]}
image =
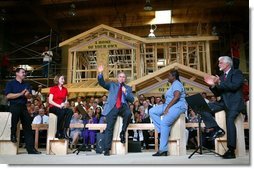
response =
{"points": [[212, 80]]}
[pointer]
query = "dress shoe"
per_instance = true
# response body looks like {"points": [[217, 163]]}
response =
{"points": [[229, 154], [106, 153], [217, 134], [122, 137], [37, 151], [13, 139], [59, 136], [66, 136], [161, 153], [33, 152]]}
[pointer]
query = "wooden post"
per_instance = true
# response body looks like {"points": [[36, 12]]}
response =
{"points": [[208, 59], [102, 59], [118, 147], [74, 74], [177, 140], [69, 67], [138, 60], [155, 57], [156, 141], [221, 143], [181, 59], [36, 138], [54, 145]]}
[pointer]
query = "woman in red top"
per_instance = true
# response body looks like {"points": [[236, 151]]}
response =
{"points": [[57, 100]]}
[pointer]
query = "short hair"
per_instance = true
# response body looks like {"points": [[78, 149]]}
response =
{"points": [[121, 73], [56, 78], [226, 59], [18, 69]]}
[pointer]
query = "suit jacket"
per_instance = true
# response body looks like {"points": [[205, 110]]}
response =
{"points": [[230, 90], [113, 88]]}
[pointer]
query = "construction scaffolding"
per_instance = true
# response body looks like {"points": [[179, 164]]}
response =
{"points": [[35, 69]]}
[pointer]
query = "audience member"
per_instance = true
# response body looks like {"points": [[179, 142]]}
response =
{"points": [[245, 90], [204, 95], [75, 133], [90, 135], [41, 118], [192, 118]]}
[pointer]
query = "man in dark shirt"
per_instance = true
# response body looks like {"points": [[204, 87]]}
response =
{"points": [[17, 93]]}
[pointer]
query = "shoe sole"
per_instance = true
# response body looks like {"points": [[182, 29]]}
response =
{"points": [[211, 138]]}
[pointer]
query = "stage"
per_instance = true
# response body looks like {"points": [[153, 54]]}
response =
{"points": [[130, 158]]}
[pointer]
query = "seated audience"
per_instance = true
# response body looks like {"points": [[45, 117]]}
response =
{"points": [[75, 133], [89, 136], [41, 118]]}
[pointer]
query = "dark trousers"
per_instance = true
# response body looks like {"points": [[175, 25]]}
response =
{"points": [[63, 117], [231, 115], [236, 63], [19, 112], [146, 138], [45, 68], [111, 117]]}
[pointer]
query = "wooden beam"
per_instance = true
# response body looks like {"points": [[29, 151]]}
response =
{"points": [[158, 79], [208, 57], [99, 28], [193, 78]]}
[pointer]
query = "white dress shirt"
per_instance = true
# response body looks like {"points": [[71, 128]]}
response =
{"points": [[37, 119]]}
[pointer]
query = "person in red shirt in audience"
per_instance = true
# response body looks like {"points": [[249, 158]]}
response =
{"points": [[245, 90], [58, 101]]}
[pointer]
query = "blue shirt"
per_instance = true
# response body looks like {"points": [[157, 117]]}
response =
{"points": [[176, 86], [14, 87]]}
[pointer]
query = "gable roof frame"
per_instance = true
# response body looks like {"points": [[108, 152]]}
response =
{"points": [[124, 43]]}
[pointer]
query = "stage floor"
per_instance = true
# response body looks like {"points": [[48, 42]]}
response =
{"points": [[130, 158]]}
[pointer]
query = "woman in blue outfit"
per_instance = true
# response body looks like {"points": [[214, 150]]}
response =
{"points": [[174, 105]]}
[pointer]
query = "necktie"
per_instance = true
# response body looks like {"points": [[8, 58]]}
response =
{"points": [[119, 97], [225, 76], [41, 119]]}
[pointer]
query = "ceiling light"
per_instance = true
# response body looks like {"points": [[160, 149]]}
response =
{"points": [[72, 10], [230, 2], [3, 16], [214, 31], [148, 6], [151, 34]]}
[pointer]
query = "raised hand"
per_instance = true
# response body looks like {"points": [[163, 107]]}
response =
{"points": [[100, 69]]}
